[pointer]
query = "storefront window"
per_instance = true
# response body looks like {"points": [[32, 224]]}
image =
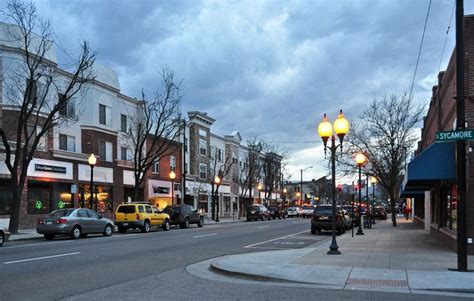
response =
{"points": [[203, 203], [103, 196], [227, 203], [5, 200], [46, 197]]}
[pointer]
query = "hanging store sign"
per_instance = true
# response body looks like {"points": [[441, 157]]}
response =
{"points": [[467, 134]]}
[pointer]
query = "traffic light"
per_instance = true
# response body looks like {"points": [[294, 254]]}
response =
{"points": [[339, 187]]}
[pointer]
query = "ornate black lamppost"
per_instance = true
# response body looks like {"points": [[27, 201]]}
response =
{"points": [[92, 161], [373, 180], [360, 159], [217, 182], [325, 130], [172, 177]]}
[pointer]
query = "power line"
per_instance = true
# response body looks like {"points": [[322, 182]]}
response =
{"points": [[419, 50], [446, 38]]}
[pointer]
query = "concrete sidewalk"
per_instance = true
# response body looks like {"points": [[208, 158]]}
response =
{"points": [[401, 259]]}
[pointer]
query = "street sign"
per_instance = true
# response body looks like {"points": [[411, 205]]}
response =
{"points": [[467, 134]]}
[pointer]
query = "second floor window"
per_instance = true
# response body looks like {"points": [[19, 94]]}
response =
{"points": [[68, 110], [125, 154], [203, 171], [202, 147], [105, 151], [123, 123], [172, 162], [156, 167], [67, 143]]}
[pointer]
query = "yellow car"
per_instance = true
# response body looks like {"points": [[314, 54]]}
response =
{"points": [[140, 215]]}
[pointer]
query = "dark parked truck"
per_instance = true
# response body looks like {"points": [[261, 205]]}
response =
{"points": [[184, 215], [322, 219]]}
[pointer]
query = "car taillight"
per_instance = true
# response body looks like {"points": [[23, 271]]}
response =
{"points": [[61, 221], [40, 221], [137, 216]]}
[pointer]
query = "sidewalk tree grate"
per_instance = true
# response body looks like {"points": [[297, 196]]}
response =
{"points": [[377, 282]]}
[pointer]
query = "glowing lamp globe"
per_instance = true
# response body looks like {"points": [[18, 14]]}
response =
{"points": [[360, 159], [373, 180], [217, 180], [341, 125], [92, 160], [325, 129], [172, 175]]}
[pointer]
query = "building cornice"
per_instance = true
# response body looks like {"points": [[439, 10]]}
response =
{"points": [[99, 129]]}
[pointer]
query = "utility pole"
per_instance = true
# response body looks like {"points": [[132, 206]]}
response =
{"points": [[461, 144]]}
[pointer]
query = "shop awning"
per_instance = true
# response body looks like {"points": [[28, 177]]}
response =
{"points": [[435, 164]]}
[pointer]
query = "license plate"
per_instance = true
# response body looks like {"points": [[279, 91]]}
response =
{"points": [[49, 223], [323, 217], [125, 224], [252, 212]]}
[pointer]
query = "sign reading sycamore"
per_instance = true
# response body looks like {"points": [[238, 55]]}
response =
{"points": [[466, 134]]}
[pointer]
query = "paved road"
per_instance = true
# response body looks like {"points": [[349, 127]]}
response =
{"points": [[153, 265]]}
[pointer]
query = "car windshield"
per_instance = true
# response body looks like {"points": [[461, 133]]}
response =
{"points": [[323, 210], [126, 209], [60, 213]]}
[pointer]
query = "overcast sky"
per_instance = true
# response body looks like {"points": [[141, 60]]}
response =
{"points": [[265, 68]]}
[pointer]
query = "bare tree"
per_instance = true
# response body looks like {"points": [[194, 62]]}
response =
{"points": [[156, 127], [218, 167], [250, 171], [384, 133], [36, 91]]}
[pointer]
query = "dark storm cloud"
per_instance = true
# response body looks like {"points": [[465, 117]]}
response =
{"points": [[267, 68]]}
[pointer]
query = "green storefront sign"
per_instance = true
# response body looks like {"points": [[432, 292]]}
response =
{"points": [[467, 134], [38, 204]]}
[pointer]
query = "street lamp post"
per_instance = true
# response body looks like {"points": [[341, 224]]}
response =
{"points": [[360, 160], [92, 161], [217, 182], [172, 177], [301, 185], [260, 188], [369, 213], [284, 196], [325, 130], [373, 180]]}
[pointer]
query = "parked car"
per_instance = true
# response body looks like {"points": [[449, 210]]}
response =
{"points": [[256, 212], [322, 219], [347, 219], [292, 211], [141, 216], [4, 235], [379, 212], [76, 223], [353, 214], [307, 211], [277, 212], [184, 215]]}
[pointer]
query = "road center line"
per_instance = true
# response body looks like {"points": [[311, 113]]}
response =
{"points": [[270, 240], [44, 257], [38, 244], [264, 227], [204, 235]]}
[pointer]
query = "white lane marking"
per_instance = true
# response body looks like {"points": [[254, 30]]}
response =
{"points": [[264, 227], [38, 244], [44, 257], [270, 240], [204, 235]]}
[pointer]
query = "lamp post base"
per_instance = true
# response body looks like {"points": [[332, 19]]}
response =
{"points": [[334, 251], [360, 232]]}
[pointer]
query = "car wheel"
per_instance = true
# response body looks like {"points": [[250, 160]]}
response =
{"points": [[108, 231], [122, 229], [201, 222], [185, 224], [338, 231], [313, 230], [2, 238], [49, 236], [248, 219], [146, 227], [166, 225], [318, 230], [263, 218], [76, 232]]}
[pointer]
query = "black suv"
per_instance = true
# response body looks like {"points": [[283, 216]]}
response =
{"points": [[184, 215], [256, 212], [276, 211], [322, 219]]}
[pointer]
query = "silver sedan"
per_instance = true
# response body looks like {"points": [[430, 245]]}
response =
{"points": [[74, 222]]}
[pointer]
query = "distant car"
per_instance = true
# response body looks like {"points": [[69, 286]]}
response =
{"points": [[184, 215], [4, 235], [256, 212], [347, 219], [140, 215], [292, 212], [322, 219], [307, 211], [379, 212], [277, 211], [76, 223], [353, 214]]}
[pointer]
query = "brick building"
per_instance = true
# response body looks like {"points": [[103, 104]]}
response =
{"points": [[430, 183]]}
